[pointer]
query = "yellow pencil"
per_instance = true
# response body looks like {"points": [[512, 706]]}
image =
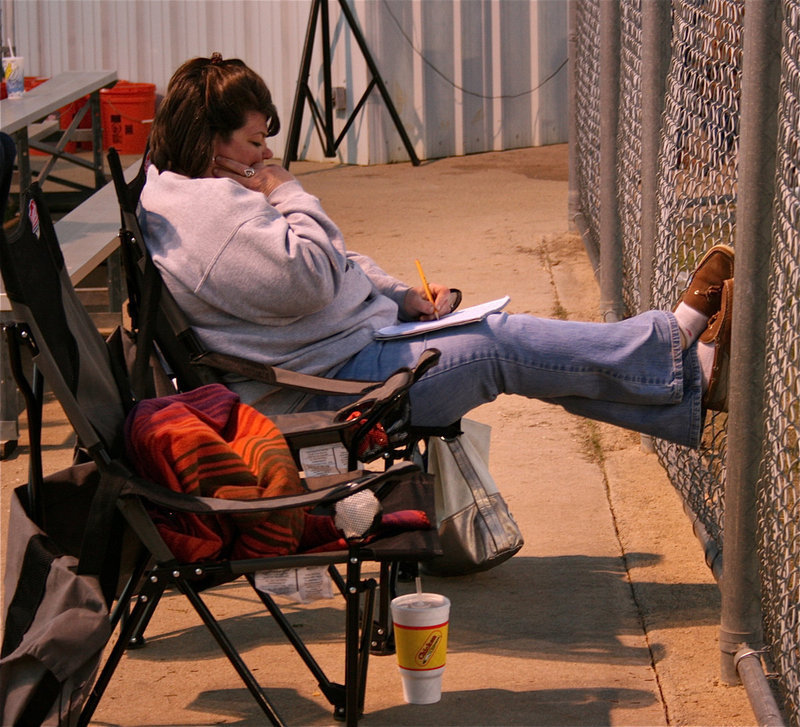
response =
{"points": [[427, 288]]}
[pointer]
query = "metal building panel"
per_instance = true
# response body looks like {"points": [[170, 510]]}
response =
{"points": [[464, 75]]}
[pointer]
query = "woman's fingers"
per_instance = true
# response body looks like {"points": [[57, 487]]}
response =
{"points": [[231, 167], [260, 177]]}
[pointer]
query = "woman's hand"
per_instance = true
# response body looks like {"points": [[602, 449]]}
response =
{"points": [[416, 305], [260, 177]]}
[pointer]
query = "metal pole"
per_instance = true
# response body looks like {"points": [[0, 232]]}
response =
{"points": [[656, 35], [97, 140], [577, 217], [330, 149], [609, 225], [324, 119], [573, 195], [759, 693], [741, 607], [373, 69], [296, 120]]}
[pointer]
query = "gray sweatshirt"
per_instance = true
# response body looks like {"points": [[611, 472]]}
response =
{"points": [[266, 278]]}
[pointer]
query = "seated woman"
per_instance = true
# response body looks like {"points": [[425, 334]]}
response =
{"points": [[262, 272]]}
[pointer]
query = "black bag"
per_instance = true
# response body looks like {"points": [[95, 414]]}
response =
{"points": [[56, 604]]}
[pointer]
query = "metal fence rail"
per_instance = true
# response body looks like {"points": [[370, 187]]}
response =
{"points": [[629, 145], [707, 151], [587, 124]]}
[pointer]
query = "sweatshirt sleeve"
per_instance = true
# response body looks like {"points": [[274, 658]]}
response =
{"points": [[383, 282], [286, 260]]}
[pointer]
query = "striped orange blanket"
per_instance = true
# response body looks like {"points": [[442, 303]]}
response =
{"points": [[206, 442]]}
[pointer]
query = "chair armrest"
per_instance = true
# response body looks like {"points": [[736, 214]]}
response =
{"points": [[335, 487], [283, 378]]}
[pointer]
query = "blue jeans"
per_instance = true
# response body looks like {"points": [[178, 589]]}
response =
{"points": [[632, 373]]}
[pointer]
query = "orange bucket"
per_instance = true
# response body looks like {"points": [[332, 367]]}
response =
{"points": [[126, 112], [67, 114], [33, 81]]}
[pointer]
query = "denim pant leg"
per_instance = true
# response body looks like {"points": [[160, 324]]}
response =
{"points": [[631, 373]]}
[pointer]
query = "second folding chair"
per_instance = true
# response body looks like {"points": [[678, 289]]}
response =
{"points": [[76, 363]]}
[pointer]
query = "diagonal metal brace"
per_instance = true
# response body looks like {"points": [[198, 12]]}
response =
{"points": [[323, 117]]}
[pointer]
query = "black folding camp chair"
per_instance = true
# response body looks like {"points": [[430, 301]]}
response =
{"points": [[161, 328], [78, 365]]}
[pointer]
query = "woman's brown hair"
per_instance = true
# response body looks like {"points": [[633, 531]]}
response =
{"points": [[206, 97]]}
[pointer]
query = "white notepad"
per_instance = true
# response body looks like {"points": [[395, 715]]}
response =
{"points": [[460, 317]]}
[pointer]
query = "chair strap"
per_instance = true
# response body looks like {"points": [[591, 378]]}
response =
{"points": [[282, 377], [34, 400], [481, 497], [147, 326], [102, 537]]}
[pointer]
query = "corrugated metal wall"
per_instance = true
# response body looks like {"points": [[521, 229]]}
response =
{"points": [[465, 75]]}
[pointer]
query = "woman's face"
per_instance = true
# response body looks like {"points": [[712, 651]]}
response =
{"points": [[248, 144]]}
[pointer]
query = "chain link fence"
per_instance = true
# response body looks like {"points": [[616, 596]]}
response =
{"points": [[697, 205], [779, 502], [679, 78]]}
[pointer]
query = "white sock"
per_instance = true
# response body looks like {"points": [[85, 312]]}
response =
{"points": [[705, 354], [691, 322]]}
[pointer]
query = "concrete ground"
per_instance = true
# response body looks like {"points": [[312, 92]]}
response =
{"points": [[607, 616]]}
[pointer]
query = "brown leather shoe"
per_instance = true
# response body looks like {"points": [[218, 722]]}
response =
{"points": [[718, 332], [704, 292]]}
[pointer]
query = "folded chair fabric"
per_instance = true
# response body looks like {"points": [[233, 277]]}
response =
{"points": [[56, 625]]}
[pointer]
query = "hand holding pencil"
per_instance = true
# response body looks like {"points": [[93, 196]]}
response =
{"points": [[429, 300]]}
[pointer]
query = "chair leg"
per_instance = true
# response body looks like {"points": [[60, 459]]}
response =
{"points": [[358, 633], [122, 612], [230, 651], [336, 578], [347, 700], [137, 640], [334, 693], [127, 626], [382, 642], [366, 640]]}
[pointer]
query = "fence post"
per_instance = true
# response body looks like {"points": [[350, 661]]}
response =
{"points": [[609, 225], [573, 194], [656, 35], [741, 608]]}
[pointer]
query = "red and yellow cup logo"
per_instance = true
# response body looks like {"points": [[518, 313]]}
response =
{"points": [[421, 648]]}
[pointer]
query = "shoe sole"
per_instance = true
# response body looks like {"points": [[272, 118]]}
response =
{"points": [[716, 398]]}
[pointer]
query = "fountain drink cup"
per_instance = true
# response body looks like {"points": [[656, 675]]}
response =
{"points": [[14, 76], [420, 634]]}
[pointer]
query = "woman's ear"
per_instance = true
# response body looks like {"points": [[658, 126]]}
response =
{"points": [[214, 149]]}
